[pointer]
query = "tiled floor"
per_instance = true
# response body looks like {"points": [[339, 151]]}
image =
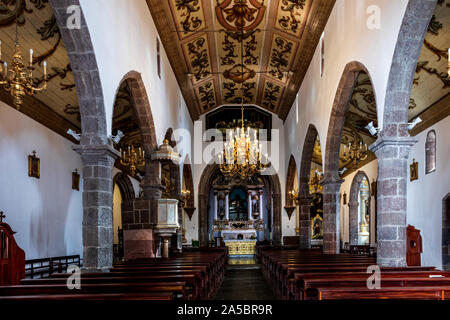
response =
{"points": [[244, 282]]}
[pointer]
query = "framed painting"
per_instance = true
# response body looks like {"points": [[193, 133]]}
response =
{"points": [[75, 180], [34, 170], [414, 170]]}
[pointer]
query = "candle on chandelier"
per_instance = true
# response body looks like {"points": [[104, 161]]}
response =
{"points": [[5, 65], [31, 57], [45, 69], [0, 49]]}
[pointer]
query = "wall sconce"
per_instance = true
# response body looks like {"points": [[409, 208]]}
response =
{"points": [[185, 195], [293, 196]]}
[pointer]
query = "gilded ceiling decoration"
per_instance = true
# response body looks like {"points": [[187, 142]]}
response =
{"points": [[431, 81], [236, 50], [38, 29]]}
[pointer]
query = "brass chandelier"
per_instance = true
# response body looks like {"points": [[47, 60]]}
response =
{"points": [[241, 155], [132, 158], [18, 79], [355, 153]]}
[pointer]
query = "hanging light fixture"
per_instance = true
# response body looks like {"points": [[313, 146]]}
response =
{"points": [[355, 153], [241, 155], [132, 159], [18, 79]]}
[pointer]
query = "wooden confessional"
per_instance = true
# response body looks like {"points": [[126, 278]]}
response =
{"points": [[413, 246], [12, 258]]}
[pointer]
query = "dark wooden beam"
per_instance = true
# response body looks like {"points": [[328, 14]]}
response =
{"points": [[317, 20], [438, 111], [43, 114]]}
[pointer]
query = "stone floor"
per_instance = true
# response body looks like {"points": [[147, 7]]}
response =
{"points": [[244, 282]]}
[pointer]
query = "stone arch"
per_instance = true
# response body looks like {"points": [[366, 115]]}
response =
{"points": [[85, 71], [142, 109], [353, 205], [304, 196], [290, 178], [394, 143], [97, 153], [446, 232], [332, 181], [206, 180], [125, 186], [407, 51]]}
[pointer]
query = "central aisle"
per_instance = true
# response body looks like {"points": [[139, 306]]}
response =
{"points": [[244, 282]]}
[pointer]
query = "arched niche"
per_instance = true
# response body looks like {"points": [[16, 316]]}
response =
{"points": [[446, 233], [356, 208]]}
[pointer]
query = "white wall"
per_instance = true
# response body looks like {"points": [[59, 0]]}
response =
{"points": [[46, 213], [425, 195], [124, 38]]}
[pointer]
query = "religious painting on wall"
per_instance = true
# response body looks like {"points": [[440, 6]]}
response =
{"points": [[75, 180], [317, 216], [414, 170], [238, 205], [34, 170]]}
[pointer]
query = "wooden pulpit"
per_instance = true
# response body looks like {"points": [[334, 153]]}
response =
{"points": [[12, 257], [413, 246]]}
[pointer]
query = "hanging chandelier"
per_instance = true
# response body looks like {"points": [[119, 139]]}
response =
{"points": [[241, 155], [18, 79], [132, 159], [355, 153]]}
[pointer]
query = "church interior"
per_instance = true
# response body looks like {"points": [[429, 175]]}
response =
{"points": [[224, 150]]}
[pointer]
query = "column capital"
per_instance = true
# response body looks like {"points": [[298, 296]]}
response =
{"points": [[96, 150], [382, 147]]}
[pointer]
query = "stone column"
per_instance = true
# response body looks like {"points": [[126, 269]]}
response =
{"points": [[227, 206], [353, 222], [216, 204], [392, 155], [331, 204], [250, 218], [98, 161], [304, 202]]}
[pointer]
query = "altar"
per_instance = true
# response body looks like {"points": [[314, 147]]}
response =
{"points": [[240, 247]]}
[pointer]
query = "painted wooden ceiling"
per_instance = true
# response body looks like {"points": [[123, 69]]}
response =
{"points": [[37, 29], [432, 82], [240, 51]]}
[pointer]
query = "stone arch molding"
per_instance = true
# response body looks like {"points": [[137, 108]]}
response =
{"points": [[304, 196], [331, 181], [353, 205], [97, 153]]}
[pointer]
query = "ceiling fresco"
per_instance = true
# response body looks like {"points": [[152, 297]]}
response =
{"points": [[237, 51], [38, 30], [431, 81]]}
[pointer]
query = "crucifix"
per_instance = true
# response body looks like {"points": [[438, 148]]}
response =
{"points": [[2, 216]]}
